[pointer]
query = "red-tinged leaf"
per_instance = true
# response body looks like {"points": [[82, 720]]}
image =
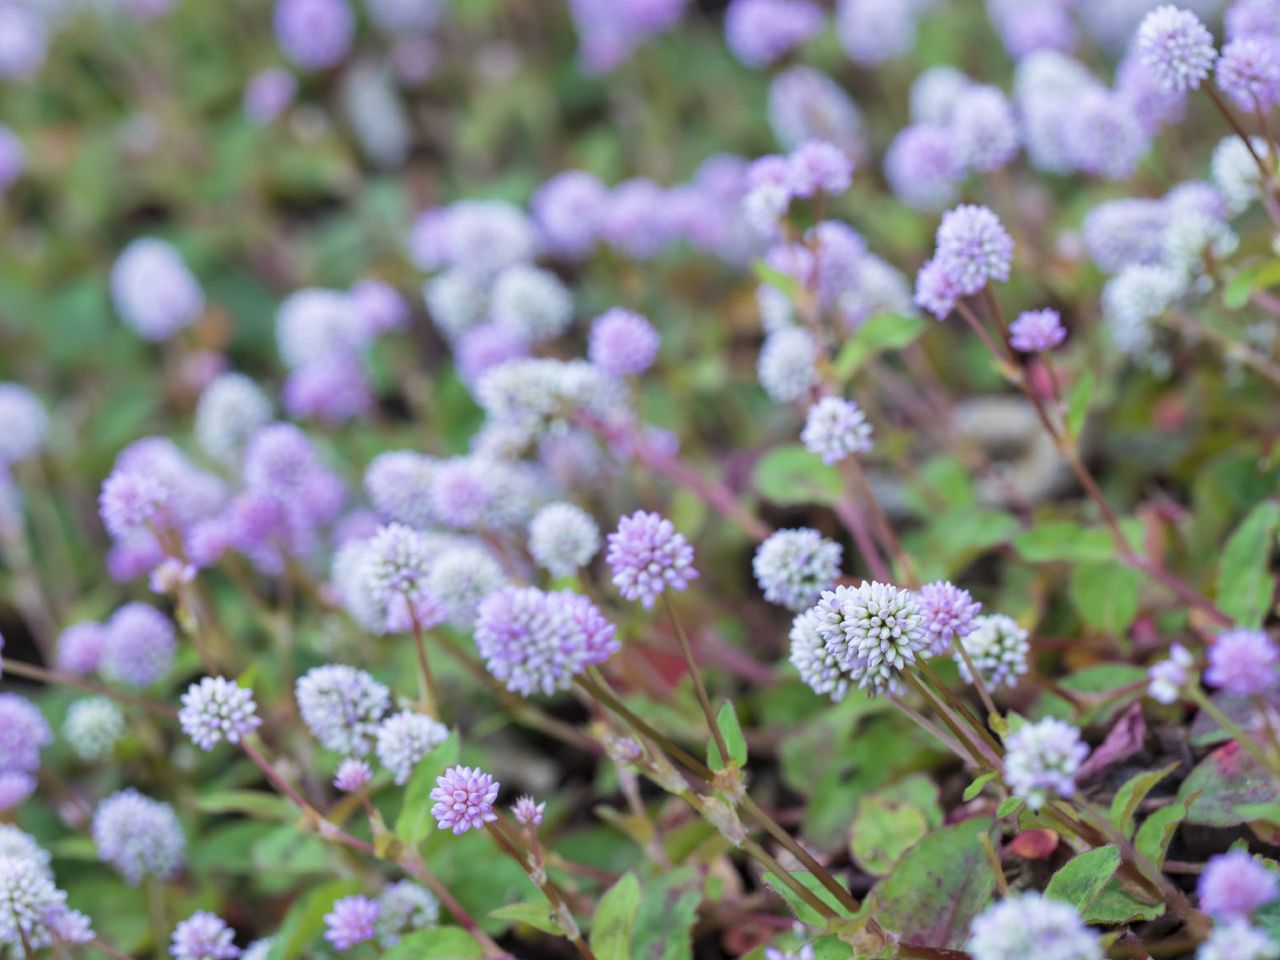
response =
{"points": [[1223, 783], [1034, 844], [1123, 741]]}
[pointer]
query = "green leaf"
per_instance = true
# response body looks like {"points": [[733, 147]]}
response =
{"points": [[1130, 796], [438, 943], [668, 910], [831, 948], [775, 278], [256, 803], [803, 911], [305, 919], [1223, 784], [615, 920], [883, 830], [1116, 905], [975, 788], [731, 730], [1245, 585], [879, 334], [532, 913], [1256, 276], [415, 822], [1082, 879], [793, 475], [1064, 540], [1106, 595], [1156, 833], [1008, 807], [936, 888], [1078, 404]]}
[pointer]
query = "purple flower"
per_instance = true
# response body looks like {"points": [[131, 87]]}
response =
{"points": [[24, 40], [1103, 136], [1037, 330], [268, 95], [406, 737], [23, 734], [379, 307], [352, 775], [1176, 46], [1026, 26], [1150, 103], [130, 502], [153, 291], [760, 31], [973, 248], [567, 210], [138, 836], [1042, 759], [25, 423], [527, 812], [818, 167], [1031, 925], [787, 366], [1249, 72], [1242, 663], [836, 429], [949, 613], [342, 707], [936, 289], [15, 787], [806, 104], [216, 709], [997, 645], [538, 642], [633, 219], [647, 555], [622, 343], [794, 567], [140, 645], [1253, 18], [80, 648], [231, 410], [351, 921], [873, 31], [203, 936], [610, 30], [464, 799], [984, 127], [1169, 677], [314, 34], [923, 166], [332, 390], [1237, 940], [488, 345], [1234, 886], [1126, 232]]}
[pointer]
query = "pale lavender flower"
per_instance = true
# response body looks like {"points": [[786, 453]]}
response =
{"points": [[806, 104], [633, 219], [873, 31], [1176, 46], [872, 631], [923, 166], [1249, 72], [647, 556], [314, 34], [405, 907], [24, 41], [538, 642], [1234, 886], [1035, 331], [562, 538], [836, 429], [406, 737], [15, 787], [1253, 18], [1168, 678], [936, 289], [28, 899], [787, 366], [1026, 26], [794, 567], [268, 95], [1238, 940], [464, 799], [817, 667], [622, 343], [399, 484], [998, 647], [1242, 663], [1125, 232], [93, 727], [351, 921], [567, 210], [203, 936], [140, 646], [25, 423], [611, 30], [973, 248], [485, 346], [314, 325], [170, 575], [231, 410], [1041, 760], [130, 502], [1150, 102], [69, 926], [949, 613], [1103, 136], [934, 95], [395, 17], [1031, 925], [333, 391], [818, 167], [138, 836], [80, 648], [342, 707], [217, 709], [758, 32], [461, 578], [379, 307], [984, 127], [279, 458], [352, 775], [153, 290], [13, 158], [23, 734], [527, 812], [531, 302]]}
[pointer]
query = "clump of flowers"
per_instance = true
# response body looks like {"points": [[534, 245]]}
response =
{"points": [[647, 556], [1029, 925], [464, 799], [794, 567], [352, 920], [872, 632], [138, 836], [835, 429], [997, 647], [342, 707], [1041, 760], [217, 709]]}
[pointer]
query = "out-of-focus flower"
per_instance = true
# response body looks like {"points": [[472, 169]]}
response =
{"points": [[138, 836], [1242, 663], [1176, 46], [404, 907], [794, 567], [314, 34], [406, 737], [231, 410], [998, 647], [758, 32], [622, 343], [1249, 72], [1238, 940], [268, 95], [92, 727], [25, 423], [787, 366], [352, 775], [1234, 886], [1169, 677], [24, 40], [531, 302], [923, 165], [805, 104], [153, 290], [1035, 331], [23, 734], [139, 647], [836, 429], [351, 921], [567, 210], [985, 128], [342, 707], [562, 538], [1031, 925], [203, 936], [1041, 761], [527, 811]]}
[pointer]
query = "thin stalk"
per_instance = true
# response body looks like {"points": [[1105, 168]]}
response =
{"points": [[949, 695], [993, 858], [1232, 349], [796, 887], [698, 685], [856, 524], [56, 678], [977, 755], [920, 720], [427, 688], [881, 522], [976, 677]]}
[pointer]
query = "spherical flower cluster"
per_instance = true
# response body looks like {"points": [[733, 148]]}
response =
{"points": [[923, 166], [806, 104], [139, 647], [405, 738], [1235, 885], [622, 343], [131, 502], [153, 291], [268, 95], [485, 346], [835, 429], [399, 486], [949, 614], [378, 306], [562, 538], [538, 642], [1235, 173], [1238, 940], [817, 666], [936, 289], [20, 844], [647, 556], [531, 302], [217, 709], [404, 907], [80, 648], [464, 799], [566, 210], [1041, 760], [231, 410], [1168, 678], [610, 31], [23, 734], [479, 237], [352, 775], [1249, 18], [634, 220], [758, 32], [984, 126], [872, 631], [138, 836], [874, 31], [29, 905], [973, 248], [787, 366], [998, 647], [1242, 663], [1132, 299], [794, 567], [1176, 46], [482, 493], [394, 17], [1031, 925], [342, 707], [1249, 72], [92, 727], [528, 812], [203, 936], [24, 40], [314, 34], [25, 423], [460, 579], [1036, 331], [817, 167], [315, 325], [535, 395], [351, 921], [934, 94]]}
